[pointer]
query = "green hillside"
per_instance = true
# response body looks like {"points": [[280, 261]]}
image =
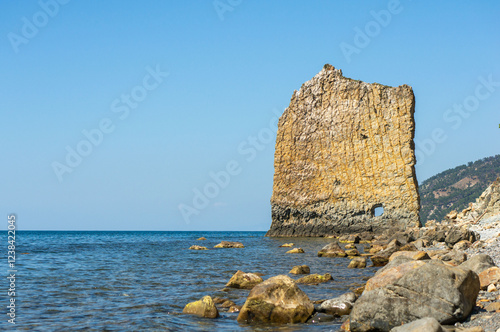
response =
{"points": [[455, 188]]}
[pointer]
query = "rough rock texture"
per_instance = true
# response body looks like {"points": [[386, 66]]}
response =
{"points": [[204, 307], [276, 300], [315, 278], [427, 324], [338, 306], [343, 148], [229, 244], [300, 269], [244, 280], [445, 293]]}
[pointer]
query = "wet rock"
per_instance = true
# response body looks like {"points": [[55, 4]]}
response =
{"points": [[234, 308], [350, 246], [332, 250], [229, 244], [478, 263], [427, 324], [296, 251], [338, 306], [227, 304], [357, 263], [376, 248], [204, 307], [445, 293], [315, 279], [287, 245], [352, 252], [195, 247], [276, 300], [379, 260], [300, 269], [201, 239], [244, 280]]}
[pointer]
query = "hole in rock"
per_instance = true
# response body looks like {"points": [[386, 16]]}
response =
{"points": [[378, 210]]}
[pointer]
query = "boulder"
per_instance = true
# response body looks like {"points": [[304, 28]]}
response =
{"points": [[244, 280], [332, 250], [379, 260], [229, 244], [392, 274], [276, 300], [315, 279], [456, 235], [300, 269], [427, 324], [287, 245], [478, 263], [204, 307], [454, 257], [352, 252], [357, 263], [462, 245], [338, 306], [489, 276], [415, 255], [296, 251], [434, 289], [195, 247]]}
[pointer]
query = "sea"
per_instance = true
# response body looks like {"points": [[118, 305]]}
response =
{"points": [[141, 281]]}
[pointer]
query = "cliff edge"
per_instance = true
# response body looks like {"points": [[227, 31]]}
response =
{"points": [[344, 148]]}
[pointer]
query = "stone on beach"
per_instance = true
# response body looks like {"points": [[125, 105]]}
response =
{"points": [[276, 300], [300, 269], [478, 263], [432, 290], [204, 307], [244, 280], [338, 306], [427, 324], [357, 263], [229, 244], [489, 276]]}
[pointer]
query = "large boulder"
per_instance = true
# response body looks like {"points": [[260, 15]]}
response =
{"points": [[204, 307], [390, 275], [478, 263], [300, 269], [244, 280], [434, 289], [332, 250], [357, 263], [489, 276], [276, 300], [456, 235]]}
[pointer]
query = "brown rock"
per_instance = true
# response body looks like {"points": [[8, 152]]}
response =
{"points": [[357, 263], [229, 244], [276, 300], [323, 181], [389, 276], [494, 306], [201, 238], [204, 307], [416, 255], [296, 251], [462, 245], [244, 280], [352, 252], [195, 247], [234, 308], [287, 245], [489, 276], [375, 248], [332, 250], [315, 279], [378, 260], [300, 269]]}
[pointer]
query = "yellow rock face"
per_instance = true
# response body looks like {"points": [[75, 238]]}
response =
{"points": [[344, 148]]}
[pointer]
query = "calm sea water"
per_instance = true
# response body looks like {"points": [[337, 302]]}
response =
{"points": [[136, 281]]}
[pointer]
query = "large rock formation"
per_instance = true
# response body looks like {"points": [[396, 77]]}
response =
{"points": [[343, 149]]}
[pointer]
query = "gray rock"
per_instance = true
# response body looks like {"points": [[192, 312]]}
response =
{"points": [[478, 263], [436, 290], [338, 306], [427, 324]]}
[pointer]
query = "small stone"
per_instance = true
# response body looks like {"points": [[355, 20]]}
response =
{"points": [[195, 247], [204, 307], [489, 276], [300, 269], [494, 306], [352, 252], [227, 304], [201, 239], [229, 244], [491, 288], [350, 246], [296, 251], [234, 308], [287, 245]]}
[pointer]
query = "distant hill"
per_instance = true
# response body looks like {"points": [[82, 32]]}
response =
{"points": [[455, 188]]}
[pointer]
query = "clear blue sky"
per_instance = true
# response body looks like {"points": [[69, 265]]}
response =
{"points": [[86, 65]]}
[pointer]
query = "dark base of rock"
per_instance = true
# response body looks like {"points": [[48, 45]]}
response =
{"points": [[291, 222]]}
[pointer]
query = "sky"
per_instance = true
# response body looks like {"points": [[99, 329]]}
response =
{"points": [[160, 115]]}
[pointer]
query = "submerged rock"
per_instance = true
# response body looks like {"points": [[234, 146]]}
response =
{"points": [[296, 251], [229, 244], [287, 245], [244, 280], [201, 239], [300, 269], [315, 279], [195, 247], [276, 300], [204, 307], [357, 263]]}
